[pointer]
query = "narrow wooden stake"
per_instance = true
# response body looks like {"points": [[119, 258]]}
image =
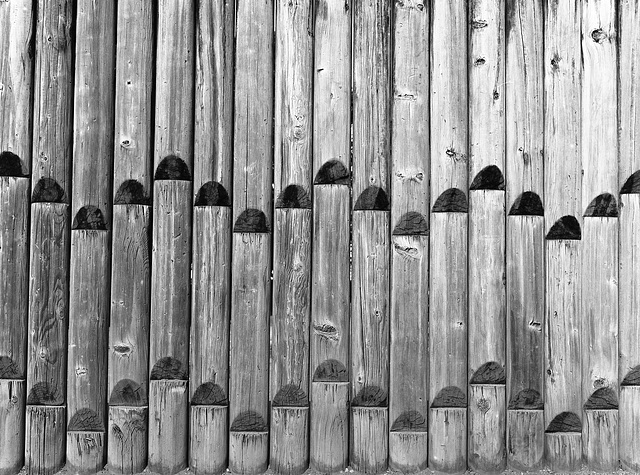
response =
{"points": [[12, 398], [329, 425], [50, 239], [127, 438]]}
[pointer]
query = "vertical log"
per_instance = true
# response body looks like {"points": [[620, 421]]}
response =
{"points": [[130, 270], [90, 237], [171, 248], [329, 438], [289, 372], [524, 108], [408, 390]]}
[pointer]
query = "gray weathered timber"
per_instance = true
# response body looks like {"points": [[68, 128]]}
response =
{"points": [[629, 431], [12, 397], [290, 430], [487, 414], [209, 441], [127, 439], [45, 439], [329, 438]]}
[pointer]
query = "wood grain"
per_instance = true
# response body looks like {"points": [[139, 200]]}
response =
{"points": [[629, 420], [290, 428], [487, 424], [369, 441], [45, 439], [12, 407], [85, 451], [209, 439], [448, 439], [127, 436], [563, 450], [329, 437], [525, 439]]}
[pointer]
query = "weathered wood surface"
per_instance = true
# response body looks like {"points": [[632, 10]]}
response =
{"points": [[369, 439], [248, 452], [16, 77], [85, 451], [487, 423], [525, 439], [168, 426], [209, 439], [45, 439], [290, 428], [12, 419], [600, 440], [628, 36], [329, 437], [563, 451], [629, 427], [214, 74], [448, 439], [127, 439]]}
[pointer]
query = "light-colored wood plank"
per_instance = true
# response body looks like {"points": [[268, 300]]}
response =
{"points": [[85, 452], [329, 438], [12, 399], [248, 452], [448, 439], [45, 439], [369, 439], [209, 439], [600, 440], [525, 439], [290, 428], [563, 451], [487, 426], [408, 451], [16, 76], [629, 428], [127, 439]]}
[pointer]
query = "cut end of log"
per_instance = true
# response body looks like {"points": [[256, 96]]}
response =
{"points": [[168, 368], [209, 394], [527, 399], [212, 193], [294, 196], [332, 173], [85, 420], [370, 396], [47, 190], [451, 396], [565, 422], [603, 206], [131, 192], [372, 199], [331, 371], [410, 421], [527, 204], [291, 396], [251, 221], [567, 228], [8, 368], [489, 373], [127, 393], [10, 165], [489, 178], [632, 378], [42, 394], [249, 421], [452, 200], [89, 217], [632, 185], [602, 399], [411, 224], [172, 168]]}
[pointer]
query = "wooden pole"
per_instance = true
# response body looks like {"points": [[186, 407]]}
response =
{"points": [[629, 249], [410, 167], [448, 241], [171, 249], [563, 218], [16, 74], [251, 242], [289, 372], [130, 271], [211, 284], [330, 296], [525, 233], [600, 235], [90, 237]]}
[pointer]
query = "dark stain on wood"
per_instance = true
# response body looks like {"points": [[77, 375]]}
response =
{"points": [[489, 373], [602, 206], [10, 165], [370, 396], [527, 399], [291, 396], [131, 192], [127, 393], [294, 196], [410, 421], [527, 204], [212, 193], [566, 227], [411, 224], [172, 168], [602, 399], [489, 178], [565, 422], [89, 217], [251, 221], [209, 394], [42, 394], [632, 185], [452, 200], [168, 368], [47, 190], [632, 378], [332, 173], [451, 396], [8, 368], [85, 420], [249, 421], [331, 371], [373, 198]]}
